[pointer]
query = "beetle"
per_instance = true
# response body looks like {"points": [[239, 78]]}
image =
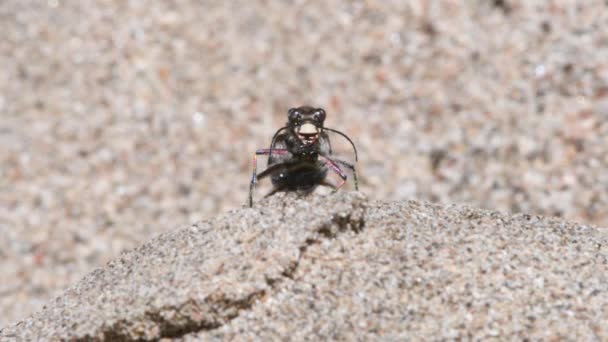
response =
{"points": [[300, 155]]}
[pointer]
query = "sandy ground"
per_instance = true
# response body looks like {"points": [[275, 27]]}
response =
{"points": [[120, 120], [344, 268]]}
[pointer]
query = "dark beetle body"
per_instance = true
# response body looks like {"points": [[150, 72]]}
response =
{"points": [[300, 155], [302, 169]]}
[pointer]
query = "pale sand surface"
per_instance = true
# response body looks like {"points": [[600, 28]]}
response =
{"points": [[342, 267]]}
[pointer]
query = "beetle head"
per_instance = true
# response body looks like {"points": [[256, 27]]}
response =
{"points": [[306, 122]]}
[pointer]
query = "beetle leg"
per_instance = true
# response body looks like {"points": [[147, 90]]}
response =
{"points": [[350, 166], [254, 176], [334, 166], [327, 184]]}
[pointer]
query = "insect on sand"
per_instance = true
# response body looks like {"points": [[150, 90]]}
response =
{"points": [[300, 155]]}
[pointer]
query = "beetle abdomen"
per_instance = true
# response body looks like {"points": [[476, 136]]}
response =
{"points": [[299, 176]]}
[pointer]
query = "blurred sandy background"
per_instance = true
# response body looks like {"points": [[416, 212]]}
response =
{"points": [[123, 119]]}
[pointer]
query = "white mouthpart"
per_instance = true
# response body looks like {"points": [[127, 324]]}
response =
{"points": [[308, 133], [308, 128]]}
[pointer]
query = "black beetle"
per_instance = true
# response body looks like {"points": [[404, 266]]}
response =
{"points": [[300, 155]]}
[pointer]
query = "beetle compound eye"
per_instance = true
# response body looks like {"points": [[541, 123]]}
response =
{"points": [[294, 115], [319, 115]]}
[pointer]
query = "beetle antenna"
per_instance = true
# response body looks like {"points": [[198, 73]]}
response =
{"points": [[347, 138]]}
